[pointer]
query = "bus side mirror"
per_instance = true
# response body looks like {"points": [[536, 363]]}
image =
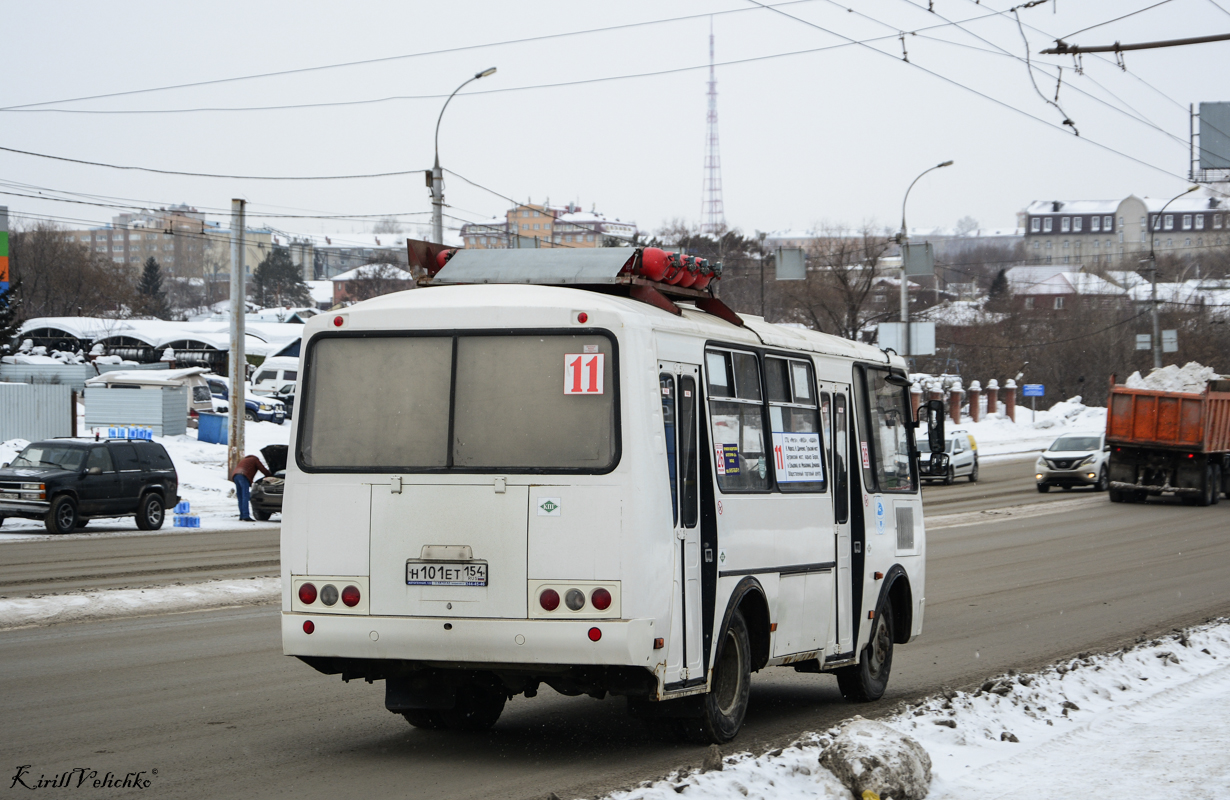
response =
{"points": [[934, 409]]}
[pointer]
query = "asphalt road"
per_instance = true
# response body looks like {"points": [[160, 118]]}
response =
{"points": [[207, 700]]}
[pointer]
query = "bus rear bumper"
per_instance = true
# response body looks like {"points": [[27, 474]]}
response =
{"points": [[472, 641]]}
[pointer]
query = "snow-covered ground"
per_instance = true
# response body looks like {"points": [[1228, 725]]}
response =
{"points": [[202, 482], [17, 612], [1145, 722], [997, 435]]}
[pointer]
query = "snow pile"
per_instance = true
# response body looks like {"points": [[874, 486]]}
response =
{"points": [[1192, 377], [50, 609], [999, 435], [1146, 721]]}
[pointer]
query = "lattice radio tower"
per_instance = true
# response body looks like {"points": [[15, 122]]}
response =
{"points": [[712, 214]]}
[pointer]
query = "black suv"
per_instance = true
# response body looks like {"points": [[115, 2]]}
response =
{"points": [[68, 482]]}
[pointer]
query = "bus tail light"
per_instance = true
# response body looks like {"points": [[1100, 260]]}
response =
{"points": [[549, 600], [307, 594], [600, 598], [351, 596]]}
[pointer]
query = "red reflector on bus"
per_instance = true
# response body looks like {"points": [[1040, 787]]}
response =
{"points": [[658, 644], [549, 600], [879, 576], [338, 321], [308, 626], [350, 596], [595, 634], [582, 318], [307, 593], [601, 599]]}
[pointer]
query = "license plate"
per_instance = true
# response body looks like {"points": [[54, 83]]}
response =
{"points": [[446, 573], [9, 496]]}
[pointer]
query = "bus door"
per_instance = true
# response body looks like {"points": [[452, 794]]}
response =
{"points": [[680, 395], [835, 418]]}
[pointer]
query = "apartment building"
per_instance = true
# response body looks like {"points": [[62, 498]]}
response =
{"points": [[546, 226]]}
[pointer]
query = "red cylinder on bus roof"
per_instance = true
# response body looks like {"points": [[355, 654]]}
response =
{"points": [[653, 263]]}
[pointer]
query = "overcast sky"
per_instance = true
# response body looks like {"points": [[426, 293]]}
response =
{"points": [[834, 135]]}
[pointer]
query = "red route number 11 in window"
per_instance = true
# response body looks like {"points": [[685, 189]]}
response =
{"points": [[583, 373]]}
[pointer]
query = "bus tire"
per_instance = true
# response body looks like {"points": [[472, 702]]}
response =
{"points": [[477, 709], [722, 710], [867, 680], [426, 718]]}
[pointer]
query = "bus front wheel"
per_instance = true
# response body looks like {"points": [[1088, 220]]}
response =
{"points": [[722, 710], [867, 680]]}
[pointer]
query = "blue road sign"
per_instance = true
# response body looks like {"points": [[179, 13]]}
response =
{"points": [[1033, 390]]}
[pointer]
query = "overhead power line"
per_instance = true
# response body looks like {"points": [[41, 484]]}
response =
{"points": [[386, 59], [1062, 48], [215, 175], [1116, 19]]}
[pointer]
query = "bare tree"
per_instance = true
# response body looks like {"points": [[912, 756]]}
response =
{"points": [[388, 225], [374, 280], [61, 277], [843, 266]]}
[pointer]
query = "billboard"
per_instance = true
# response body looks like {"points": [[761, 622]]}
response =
{"points": [[1215, 135]]}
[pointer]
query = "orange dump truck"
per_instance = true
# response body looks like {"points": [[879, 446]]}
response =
{"points": [[1169, 443]]}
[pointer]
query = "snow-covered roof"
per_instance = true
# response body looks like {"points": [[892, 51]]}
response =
{"points": [[386, 271], [1073, 207], [960, 313], [262, 337], [1058, 280], [1185, 205], [147, 376], [321, 291]]}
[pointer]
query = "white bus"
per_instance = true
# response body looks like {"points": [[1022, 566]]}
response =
{"points": [[496, 487]]}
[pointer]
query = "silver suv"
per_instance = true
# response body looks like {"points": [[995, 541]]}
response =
{"points": [[1074, 459]]}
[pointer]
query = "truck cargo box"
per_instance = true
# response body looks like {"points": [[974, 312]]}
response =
{"points": [[1173, 420]]}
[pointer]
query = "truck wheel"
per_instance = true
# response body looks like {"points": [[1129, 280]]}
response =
{"points": [[722, 710], [426, 718], [867, 680], [62, 516], [477, 709], [150, 512], [1118, 496], [1215, 483]]}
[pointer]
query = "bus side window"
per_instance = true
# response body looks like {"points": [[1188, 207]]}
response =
{"points": [[841, 446], [737, 420], [667, 382], [798, 450], [689, 472]]}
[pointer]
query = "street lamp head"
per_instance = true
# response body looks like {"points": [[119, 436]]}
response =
{"points": [[945, 164], [485, 73], [1191, 188]]}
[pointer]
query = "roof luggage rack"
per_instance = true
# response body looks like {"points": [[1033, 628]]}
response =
{"points": [[648, 274]]}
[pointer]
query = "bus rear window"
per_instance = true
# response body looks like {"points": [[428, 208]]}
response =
{"points": [[511, 403]]}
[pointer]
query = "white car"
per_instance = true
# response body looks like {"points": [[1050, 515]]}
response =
{"points": [[962, 453], [1074, 459]]}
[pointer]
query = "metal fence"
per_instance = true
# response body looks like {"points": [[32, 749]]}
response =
{"points": [[73, 376], [163, 409], [35, 411]]}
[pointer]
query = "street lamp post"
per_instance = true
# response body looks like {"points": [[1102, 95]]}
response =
{"points": [[901, 240], [1157, 332], [437, 174]]}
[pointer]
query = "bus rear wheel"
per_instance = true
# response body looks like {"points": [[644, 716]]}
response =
{"points": [[477, 709], [867, 680], [722, 710]]}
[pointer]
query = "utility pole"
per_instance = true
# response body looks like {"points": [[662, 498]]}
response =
{"points": [[437, 174], [238, 362], [1154, 228], [902, 239]]}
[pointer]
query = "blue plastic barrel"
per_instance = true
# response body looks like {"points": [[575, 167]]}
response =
{"points": [[211, 428]]}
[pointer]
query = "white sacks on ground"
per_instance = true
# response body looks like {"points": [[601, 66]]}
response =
{"points": [[868, 755]]}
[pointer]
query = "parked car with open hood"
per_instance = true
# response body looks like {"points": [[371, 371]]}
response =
{"points": [[266, 497]]}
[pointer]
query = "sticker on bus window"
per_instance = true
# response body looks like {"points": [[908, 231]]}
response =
{"points": [[590, 348], [797, 457], [866, 456], [729, 460], [721, 463], [583, 373]]}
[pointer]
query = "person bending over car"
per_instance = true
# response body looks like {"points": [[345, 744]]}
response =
{"points": [[243, 475]]}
